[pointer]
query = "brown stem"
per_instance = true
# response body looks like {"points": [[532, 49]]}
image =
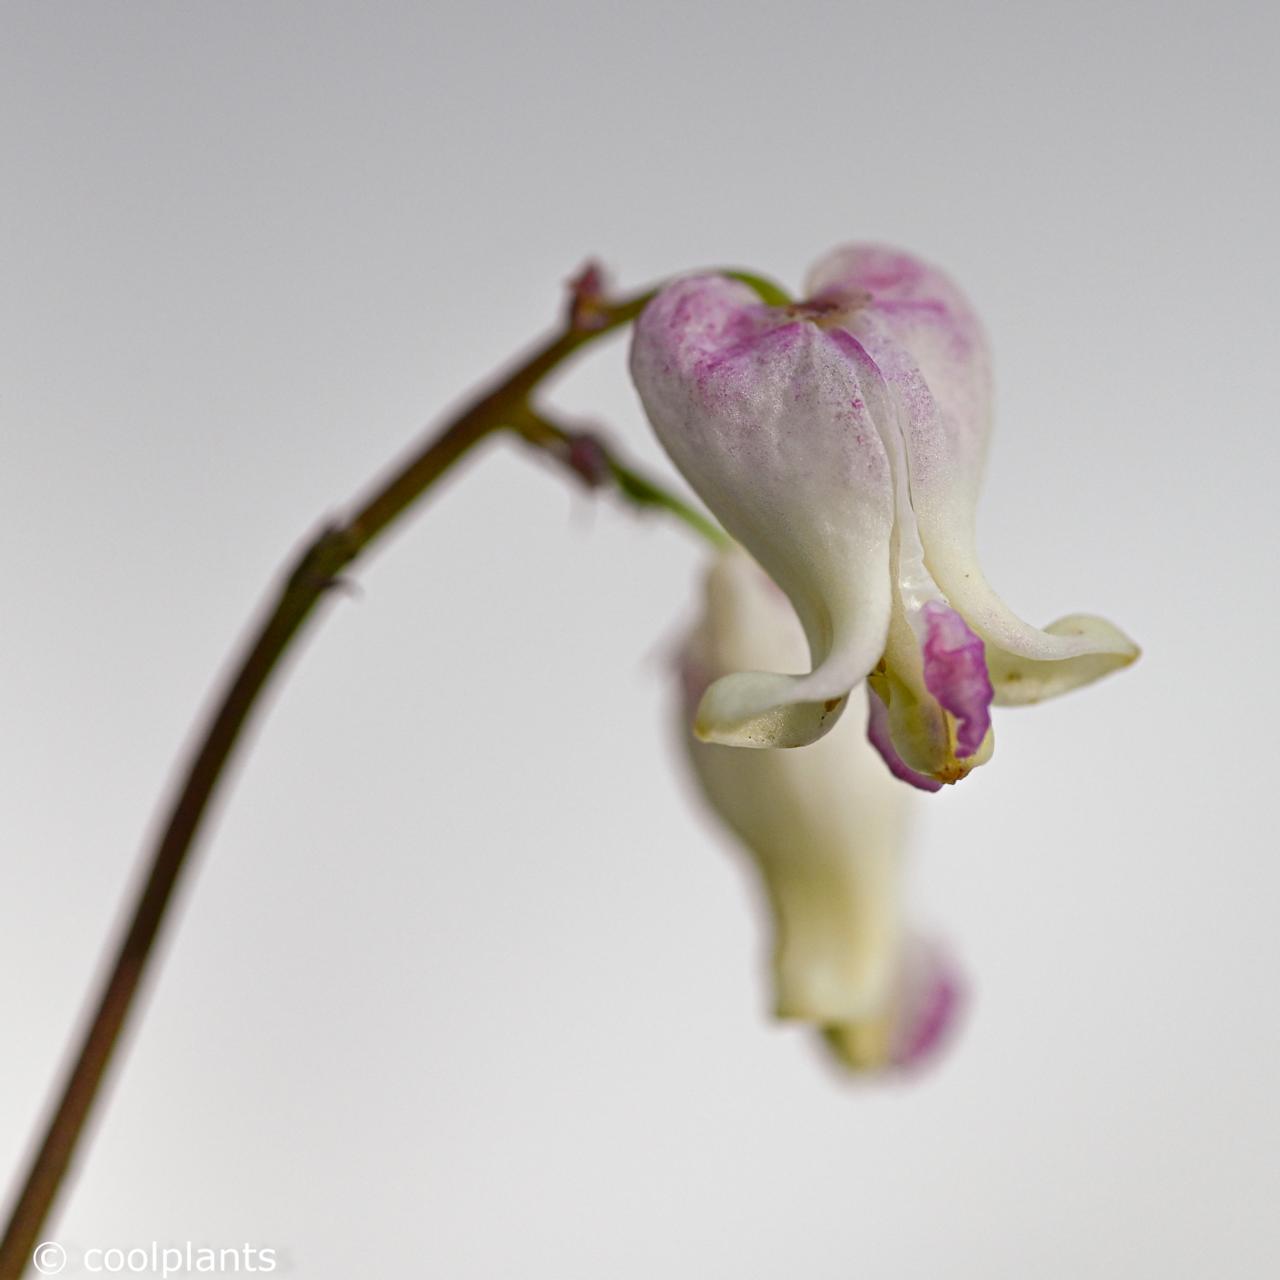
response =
{"points": [[314, 572]]}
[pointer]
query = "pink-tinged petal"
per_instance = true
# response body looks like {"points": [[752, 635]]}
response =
{"points": [[955, 672], [928, 343], [879, 737], [931, 349], [841, 440], [767, 420], [917, 1022], [931, 1004]]}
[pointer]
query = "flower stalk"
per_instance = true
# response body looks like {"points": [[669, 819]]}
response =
{"points": [[596, 466], [319, 566]]}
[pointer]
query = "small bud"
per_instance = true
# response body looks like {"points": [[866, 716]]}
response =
{"points": [[587, 458], [588, 304]]}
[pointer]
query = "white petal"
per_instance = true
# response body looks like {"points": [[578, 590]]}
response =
{"points": [[765, 417], [824, 824], [929, 345], [1028, 664]]}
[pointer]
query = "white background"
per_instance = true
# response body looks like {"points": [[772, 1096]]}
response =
{"points": [[463, 985]]}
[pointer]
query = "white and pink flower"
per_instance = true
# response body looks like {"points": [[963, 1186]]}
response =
{"points": [[841, 440]]}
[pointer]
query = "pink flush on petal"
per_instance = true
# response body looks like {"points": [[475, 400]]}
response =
{"points": [[931, 1012], [955, 672], [878, 736]]}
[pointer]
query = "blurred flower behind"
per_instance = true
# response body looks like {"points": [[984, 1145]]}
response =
{"points": [[825, 826], [842, 441]]}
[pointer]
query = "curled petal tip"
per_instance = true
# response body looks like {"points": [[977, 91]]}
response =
{"points": [[1072, 652], [761, 709]]}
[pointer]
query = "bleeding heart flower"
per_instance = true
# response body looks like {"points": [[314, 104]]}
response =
{"points": [[825, 828], [841, 440]]}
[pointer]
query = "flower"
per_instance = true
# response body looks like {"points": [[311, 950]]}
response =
{"points": [[825, 828], [841, 440]]}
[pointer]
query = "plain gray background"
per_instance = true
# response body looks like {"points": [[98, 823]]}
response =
{"points": [[464, 985]]}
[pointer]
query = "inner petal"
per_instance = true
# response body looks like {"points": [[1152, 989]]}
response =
{"points": [[955, 672], [879, 736], [937, 654]]}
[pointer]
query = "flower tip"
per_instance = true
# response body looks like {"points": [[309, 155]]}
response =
{"points": [[1086, 648], [935, 1008], [755, 709], [917, 1027], [1099, 633]]}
